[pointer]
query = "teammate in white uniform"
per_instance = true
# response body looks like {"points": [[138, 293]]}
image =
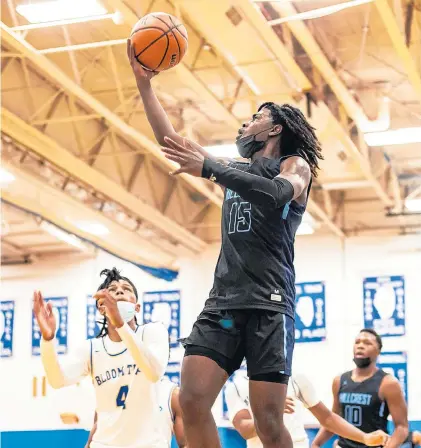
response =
{"points": [[170, 419], [299, 388], [125, 363]]}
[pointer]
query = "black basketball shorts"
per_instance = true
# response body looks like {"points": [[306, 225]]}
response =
{"points": [[264, 338]]}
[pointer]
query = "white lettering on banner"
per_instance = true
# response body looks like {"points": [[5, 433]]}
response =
{"points": [[313, 288], [317, 333], [388, 327], [394, 359]]}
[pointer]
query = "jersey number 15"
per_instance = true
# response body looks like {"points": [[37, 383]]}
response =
{"points": [[240, 217]]}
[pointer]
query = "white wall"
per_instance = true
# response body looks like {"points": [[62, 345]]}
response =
{"points": [[341, 266], [64, 278]]}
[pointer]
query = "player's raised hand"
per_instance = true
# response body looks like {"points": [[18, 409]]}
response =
{"points": [[189, 155], [108, 305], [45, 317], [141, 74], [289, 405], [376, 438]]}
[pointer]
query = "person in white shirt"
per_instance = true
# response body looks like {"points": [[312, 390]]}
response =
{"points": [[171, 420], [125, 362], [301, 389]]}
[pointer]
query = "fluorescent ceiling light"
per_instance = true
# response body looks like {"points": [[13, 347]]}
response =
{"points": [[394, 137], [413, 205], [60, 10], [94, 228], [6, 177], [228, 150], [62, 235], [320, 12], [116, 18]]}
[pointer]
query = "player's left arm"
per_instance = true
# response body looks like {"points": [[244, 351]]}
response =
{"points": [[291, 182], [391, 391], [178, 427], [150, 348], [293, 179], [333, 422], [336, 424]]}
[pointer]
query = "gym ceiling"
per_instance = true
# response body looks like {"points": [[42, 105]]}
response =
{"points": [[83, 157]]}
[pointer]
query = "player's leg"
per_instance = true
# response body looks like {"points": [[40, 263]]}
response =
{"points": [[269, 348], [213, 352], [267, 400], [201, 381]]}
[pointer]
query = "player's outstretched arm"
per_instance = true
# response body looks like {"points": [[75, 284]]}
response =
{"points": [[274, 193], [58, 374], [157, 117], [337, 425], [310, 400], [391, 391]]}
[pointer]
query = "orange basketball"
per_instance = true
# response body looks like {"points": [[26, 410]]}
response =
{"points": [[159, 41]]}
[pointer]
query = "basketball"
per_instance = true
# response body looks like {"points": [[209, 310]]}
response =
{"points": [[159, 41]]}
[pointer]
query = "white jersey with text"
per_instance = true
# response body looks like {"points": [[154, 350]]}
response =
{"points": [[126, 401]]}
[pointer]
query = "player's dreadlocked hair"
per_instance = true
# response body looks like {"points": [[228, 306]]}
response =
{"points": [[112, 275], [297, 136]]}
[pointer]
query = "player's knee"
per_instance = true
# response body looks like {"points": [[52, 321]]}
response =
{"points": [[194, 403], [269, 424]]}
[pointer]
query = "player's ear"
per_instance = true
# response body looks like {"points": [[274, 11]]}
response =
{"points": [[277, 129], [137, 307]]}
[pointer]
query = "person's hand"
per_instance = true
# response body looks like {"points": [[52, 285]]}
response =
{"points": [[189, 155], [376, 438], [108, 305], [142, 75], [289, 405], [45, 317]]}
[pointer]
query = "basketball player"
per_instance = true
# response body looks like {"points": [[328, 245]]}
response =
{"points": [[366, 395], [125, 362], [171, 421], [250, 311], [301, 389]]}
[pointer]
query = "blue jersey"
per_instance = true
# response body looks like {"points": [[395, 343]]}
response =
{"points": [[361, 405], [255, 268]]}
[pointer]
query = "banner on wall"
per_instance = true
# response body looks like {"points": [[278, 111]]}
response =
{"points": [[310, 312], [7, 316], [396, 363], [163, 306], [60, 310], [92, 326], [384, 304], [173, 372]]}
